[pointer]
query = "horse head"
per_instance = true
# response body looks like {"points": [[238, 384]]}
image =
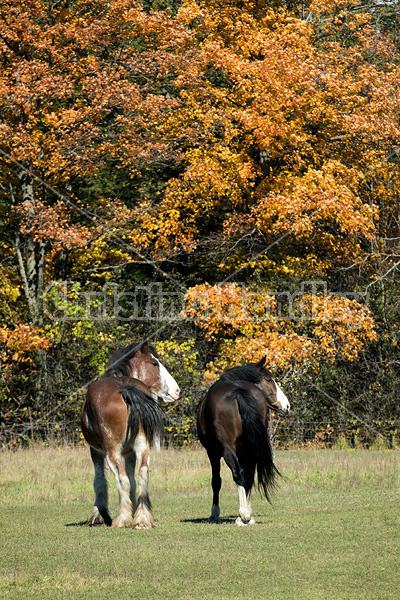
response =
{"points": [[275, 397], [146, 366]]}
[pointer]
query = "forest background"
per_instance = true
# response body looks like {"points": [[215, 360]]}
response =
{"points": [[219, 177]]}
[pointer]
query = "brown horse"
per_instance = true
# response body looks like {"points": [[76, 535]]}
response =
{"points": [[120, 420], [232, 424]]}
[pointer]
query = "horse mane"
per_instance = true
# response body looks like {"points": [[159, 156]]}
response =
{"points": [[118, 363], [249, 373]]}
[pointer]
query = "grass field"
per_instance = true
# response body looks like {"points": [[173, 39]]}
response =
{"points": [[332, 532]]}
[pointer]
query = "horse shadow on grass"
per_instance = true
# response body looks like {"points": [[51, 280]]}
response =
{"points": [[228, 519], [195, 521]]}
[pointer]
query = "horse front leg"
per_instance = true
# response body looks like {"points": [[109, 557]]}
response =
{"points": [[238, 475], [143, 517], [216, 487], [100, 514]]}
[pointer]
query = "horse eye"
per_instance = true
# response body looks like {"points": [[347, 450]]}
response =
{"points": [[155, 364]]}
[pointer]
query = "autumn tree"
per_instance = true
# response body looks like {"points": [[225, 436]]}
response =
{"points": [[78, 84], [289, 172], [239, 148], [283, 123]]}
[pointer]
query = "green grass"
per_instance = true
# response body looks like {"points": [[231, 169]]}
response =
{"points": [[331, 533]]}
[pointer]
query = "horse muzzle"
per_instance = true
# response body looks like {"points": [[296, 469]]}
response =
{"points": [[282, 411], [170, 395]]}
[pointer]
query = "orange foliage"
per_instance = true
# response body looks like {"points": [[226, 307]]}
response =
{"points": [[272, 127], [80, 86], [277, 125], [310, 329], [50, 223], [282, 128], [18, 343]]}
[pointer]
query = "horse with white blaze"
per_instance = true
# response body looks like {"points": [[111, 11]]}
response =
{"points": [[232, 423], [120, 421]]}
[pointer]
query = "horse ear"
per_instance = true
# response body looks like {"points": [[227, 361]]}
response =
{"points": [[261, 362], [145, 347]]}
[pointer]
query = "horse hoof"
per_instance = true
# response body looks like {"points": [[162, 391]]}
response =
{"points": [[146, 522], [213, 519], [94, 522], [96, 519], [243, 523], [119, 523], [144, 526], [143, 519]]}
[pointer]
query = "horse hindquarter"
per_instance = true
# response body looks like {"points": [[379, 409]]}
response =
{"points": [[232, 424], [116, 422]]}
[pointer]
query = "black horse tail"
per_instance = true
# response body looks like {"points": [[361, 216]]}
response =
{"points": [[142, 411], [256, 441]]}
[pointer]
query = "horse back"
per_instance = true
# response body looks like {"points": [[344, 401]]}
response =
{"points": [[218, 419]]}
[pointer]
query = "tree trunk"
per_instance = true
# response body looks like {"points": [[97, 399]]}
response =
{"points": [[30, 255]]}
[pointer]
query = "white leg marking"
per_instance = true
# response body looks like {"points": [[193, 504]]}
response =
{"points": [[244, 517], [251, 520], [143, 518], [157, 441], [95, 518], [124, 515]]}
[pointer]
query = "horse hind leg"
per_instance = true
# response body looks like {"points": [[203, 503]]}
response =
{"points": [[249, 511], [245, 511], [216, 487], [143, 517], [124, 516], [249, 481], [100, 514], [130, 463], [245, 516]]}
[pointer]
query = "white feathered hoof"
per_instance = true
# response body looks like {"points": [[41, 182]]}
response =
{"points": [[243, 523], [143, 519], [122, 521], [96, 519]]}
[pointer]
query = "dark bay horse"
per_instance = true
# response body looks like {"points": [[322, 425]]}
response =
{"points": [[232, 424], [120, 421]]}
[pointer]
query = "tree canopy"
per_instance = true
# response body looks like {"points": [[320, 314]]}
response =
{"points": [[240, 157]]}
